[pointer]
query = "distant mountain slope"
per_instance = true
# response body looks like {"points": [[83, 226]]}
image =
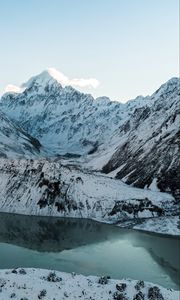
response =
{"points": [[147, 145], [14, 142], [63, 119]]}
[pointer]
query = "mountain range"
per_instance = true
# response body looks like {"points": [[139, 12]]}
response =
{"points": [[137, 142], [62, 118]]}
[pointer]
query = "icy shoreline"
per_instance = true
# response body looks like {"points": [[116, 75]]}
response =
{"points": [[31, 284], [166, 225]]}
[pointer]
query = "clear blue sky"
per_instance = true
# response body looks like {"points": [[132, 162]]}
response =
{"points": [[130, 46]]}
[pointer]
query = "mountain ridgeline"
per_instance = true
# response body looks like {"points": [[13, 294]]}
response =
{"points": [[137, 142]]}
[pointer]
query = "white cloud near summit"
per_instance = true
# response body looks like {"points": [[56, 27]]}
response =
{"points": [[79, 82], [12, 88]]}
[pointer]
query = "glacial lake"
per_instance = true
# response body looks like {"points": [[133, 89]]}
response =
{"points": [[89, 248]]}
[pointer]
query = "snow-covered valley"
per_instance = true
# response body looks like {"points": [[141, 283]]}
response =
{"points": [[65, 154], [80, 137]]}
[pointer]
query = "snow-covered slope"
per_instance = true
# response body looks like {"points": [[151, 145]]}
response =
{"points": [[137, 142], [50, 189], [63, 119], [44, 284], [144, 151], [15, 142]]}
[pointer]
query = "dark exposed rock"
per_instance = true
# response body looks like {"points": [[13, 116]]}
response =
{"points": [[79, 179], [42, 294], [121, 287], [50, 193], [44, 181], [2, 282], [139, 296], [119, 296], [169, 181], [22, 272], [139, 285], [136, 206], [155, 294], [52, 277], [178, 225], [94, 148], [103, 279]]}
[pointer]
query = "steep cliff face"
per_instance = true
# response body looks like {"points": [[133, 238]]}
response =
{"points": [[15, 142], [147, 149]]}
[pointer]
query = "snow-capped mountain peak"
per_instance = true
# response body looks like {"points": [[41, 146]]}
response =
{"points": [[51, 76], [40, 83], [67, 120], [47, 78]]}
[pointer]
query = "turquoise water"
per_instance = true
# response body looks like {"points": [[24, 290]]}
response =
{"points": [[88, 247]]}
